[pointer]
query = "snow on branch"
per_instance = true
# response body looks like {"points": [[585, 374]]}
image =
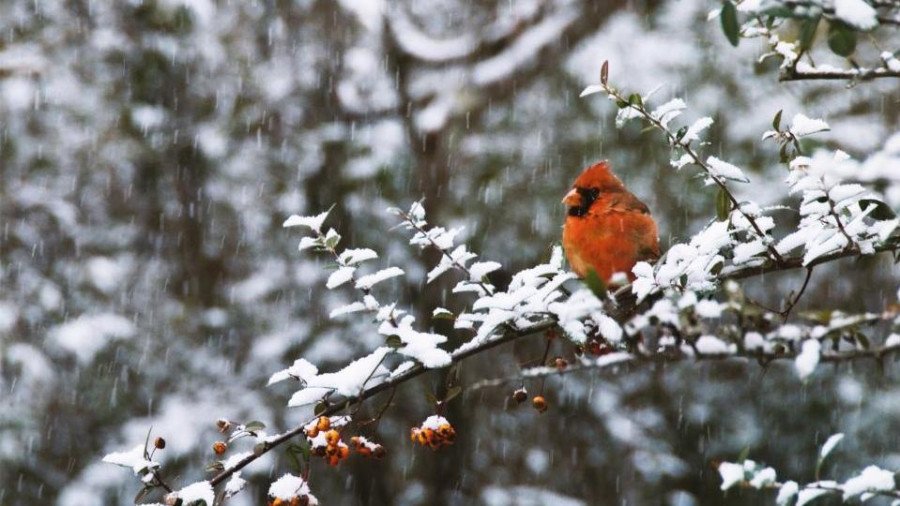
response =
{"points": [[870, 482]]}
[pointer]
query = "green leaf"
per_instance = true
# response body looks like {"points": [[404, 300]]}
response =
{"points": [[595, 284], [723, 205], [394, 341], [882, 211], [745, 452], [621, 104], [320, 408], [730, 23], [443, 315], [259, 449], [841, 39], [826, 451], [776, 121], [808, 33], [254, 426], [604, 73], [635, 100], [680, 133]]}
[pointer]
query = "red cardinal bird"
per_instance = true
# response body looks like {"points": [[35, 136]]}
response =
{"points": [[607, 228]]}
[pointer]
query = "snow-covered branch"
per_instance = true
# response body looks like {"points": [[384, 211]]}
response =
{"points": [[870, 482]]}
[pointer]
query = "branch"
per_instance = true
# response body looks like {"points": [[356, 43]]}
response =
{"points": [[812, 73], [623, 297], [676, 355]]}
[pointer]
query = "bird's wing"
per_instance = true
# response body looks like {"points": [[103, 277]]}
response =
{"points": [[627, 202]]}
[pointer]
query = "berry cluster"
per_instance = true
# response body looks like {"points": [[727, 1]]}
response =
{"points": [[325, 440], [367, 448], [435, 432]]}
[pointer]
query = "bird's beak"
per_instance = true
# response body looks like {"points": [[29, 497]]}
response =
{"points": [[572, 199]]}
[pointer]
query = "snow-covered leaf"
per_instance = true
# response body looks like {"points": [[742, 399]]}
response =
{"points": [[313, 223], [368, 281]]}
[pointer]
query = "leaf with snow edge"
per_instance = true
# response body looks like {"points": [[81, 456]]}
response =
{"points": [[787, 493], [199, 491], [339, 277], [668, 111], [479, 270], [731, 473], [829, 445], [313, 223], [357, 255], [807, 495], [856, 13], [644, 283], [438, 237], [347, 381], [301, 369], [685, 159], [625, 114], [725, 170], [133, 458], [368, 281], [808, 358], [332, 238], [801, 126], [353, 307], [309, 242], [747, 251], [442, 314], [590, 90], [459, 256], [696, 128], [763, 478], [872, 479]]}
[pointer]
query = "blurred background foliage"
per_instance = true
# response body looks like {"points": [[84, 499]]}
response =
{"points": [[150, 150]]}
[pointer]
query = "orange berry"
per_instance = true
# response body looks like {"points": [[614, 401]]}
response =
{"points": [[332, 437], [364, 451], [324, 423], [379, 452], [334, 460], [344, 452], [159, 443], [539, 403], [220, 447], [277, 502]]}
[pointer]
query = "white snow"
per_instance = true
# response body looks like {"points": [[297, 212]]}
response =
{"points": [[808, 358], [872, 479], [731, 474], [199, 491], [856, 13], [87, 335], [133, 458], [289, 486], [787, 493]]}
